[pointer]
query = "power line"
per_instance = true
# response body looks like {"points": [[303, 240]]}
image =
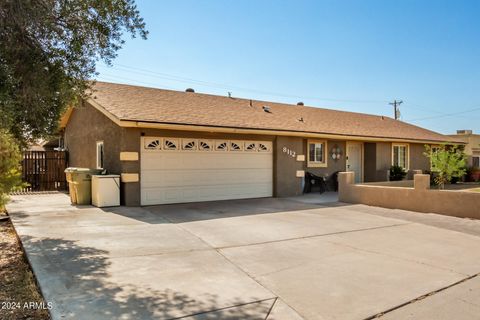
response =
{"points": [[111, 77], [446, 115], [217, 85]]}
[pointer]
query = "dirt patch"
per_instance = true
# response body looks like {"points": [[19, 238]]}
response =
{"points": [[20, 297]]}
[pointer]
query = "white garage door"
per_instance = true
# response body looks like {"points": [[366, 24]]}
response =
{"points": [[175, 170]]}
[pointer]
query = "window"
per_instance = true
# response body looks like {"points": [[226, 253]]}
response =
{"points": [[100, 155], [400, 155], [476, 161], [205, 145], [152, 144], [222, 146], [170, 144], [317, 153], [189, 144]]}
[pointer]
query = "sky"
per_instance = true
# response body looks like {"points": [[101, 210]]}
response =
{"points": [[346, 55]]}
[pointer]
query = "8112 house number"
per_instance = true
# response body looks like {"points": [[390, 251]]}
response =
{"points": [[289, 152]]}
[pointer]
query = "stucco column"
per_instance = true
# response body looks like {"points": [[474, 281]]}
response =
{"points": [[345, 182], [345, 178], [421, 181]]}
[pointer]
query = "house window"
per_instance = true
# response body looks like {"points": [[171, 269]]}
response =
{"points": [[400, 155], [317, 153], [476, 161], [100, 157]]}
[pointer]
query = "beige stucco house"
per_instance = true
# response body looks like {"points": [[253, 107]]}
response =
{"points": [[172, 146], [472, 146]]}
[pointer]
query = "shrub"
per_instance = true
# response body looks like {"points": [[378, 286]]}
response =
{"points": [[397, 173], [10, 174], [448, 162]]}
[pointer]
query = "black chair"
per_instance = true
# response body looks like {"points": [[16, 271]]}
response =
{"points": [[312, 180], [332, 181]]}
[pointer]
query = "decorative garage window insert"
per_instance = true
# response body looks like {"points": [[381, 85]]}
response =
{"points": [[189, 144], [222, 146], [262, 147], [205, 145], [250, 146], [153, 144], [234, 146], [170, 144]]}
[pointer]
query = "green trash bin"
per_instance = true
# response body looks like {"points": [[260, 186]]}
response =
{"points": [[80, 184]]}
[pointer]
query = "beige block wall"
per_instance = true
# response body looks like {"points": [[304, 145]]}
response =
{"points": [[420, 198]]}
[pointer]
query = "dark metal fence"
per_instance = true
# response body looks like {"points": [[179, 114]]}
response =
{"points": [[44, 170]]}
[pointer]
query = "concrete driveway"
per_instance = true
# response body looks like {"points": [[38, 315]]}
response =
{"points": [[300, 258]]}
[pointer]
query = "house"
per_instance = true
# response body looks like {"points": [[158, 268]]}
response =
{"points": [[174, 147], [472, 147]]}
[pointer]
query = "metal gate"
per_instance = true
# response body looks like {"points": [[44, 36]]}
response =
{"points": [[44, 170]]}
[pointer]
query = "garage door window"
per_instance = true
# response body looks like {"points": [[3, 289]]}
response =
{"points": [[153, 144], [170, 144], [222, 146], [235, 146], [189, 144], [205, 145]]}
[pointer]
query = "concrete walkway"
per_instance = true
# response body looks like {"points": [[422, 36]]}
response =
{"points": [[301, 258]]}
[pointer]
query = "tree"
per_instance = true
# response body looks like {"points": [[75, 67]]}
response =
{"points": [[447, 162], [48, 53], [10, 177]]}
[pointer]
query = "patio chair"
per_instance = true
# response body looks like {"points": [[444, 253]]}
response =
{"points": [[312, 180]]}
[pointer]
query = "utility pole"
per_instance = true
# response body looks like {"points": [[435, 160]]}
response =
{"points": [[396, 104]]}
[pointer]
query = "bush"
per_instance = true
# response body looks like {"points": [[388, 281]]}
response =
{"points": [[448, 162], [10, 174], [397, 173]]}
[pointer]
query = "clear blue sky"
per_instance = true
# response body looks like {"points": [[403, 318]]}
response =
{"points": [[348, 55]]}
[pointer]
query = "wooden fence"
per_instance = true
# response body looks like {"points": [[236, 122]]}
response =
{"points": [[44, 170]]}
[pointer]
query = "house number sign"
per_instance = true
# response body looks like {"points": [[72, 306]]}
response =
{"points": [[289, 152]]}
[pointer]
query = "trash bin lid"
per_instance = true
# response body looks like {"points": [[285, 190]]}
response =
{"points": [[83, 170], [101, 176]]}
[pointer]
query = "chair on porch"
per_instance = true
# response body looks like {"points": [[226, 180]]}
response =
{"points": [[312, 180]]}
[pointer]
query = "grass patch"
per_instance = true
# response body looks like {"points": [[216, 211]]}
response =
{"points": [[18, 284]]}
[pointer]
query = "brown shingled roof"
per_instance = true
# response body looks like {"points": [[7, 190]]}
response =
{"points": [[134, 103]]}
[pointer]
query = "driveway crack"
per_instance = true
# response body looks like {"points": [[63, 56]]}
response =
{"points": [[380, 314]]}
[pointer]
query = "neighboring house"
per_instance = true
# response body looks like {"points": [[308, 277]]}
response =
{"points": [[472, 147], [43, 145], [173, 147]]}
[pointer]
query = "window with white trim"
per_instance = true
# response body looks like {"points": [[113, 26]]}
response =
{"points": [[400, 155], [317, 156], [100, 155], [476, 161]]}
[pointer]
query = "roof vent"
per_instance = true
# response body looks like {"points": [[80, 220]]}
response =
{"points": [[267, 109], [189, 90], [300, 103], [301, 120]]}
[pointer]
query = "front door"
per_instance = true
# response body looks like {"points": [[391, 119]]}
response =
{"points": [[354, 160]]}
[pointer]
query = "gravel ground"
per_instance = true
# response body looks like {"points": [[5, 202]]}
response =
{"points": [[20, 297]]}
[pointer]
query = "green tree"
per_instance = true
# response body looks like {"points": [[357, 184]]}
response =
{"points": [[10, 177], [48, 53], [447, 162]]}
